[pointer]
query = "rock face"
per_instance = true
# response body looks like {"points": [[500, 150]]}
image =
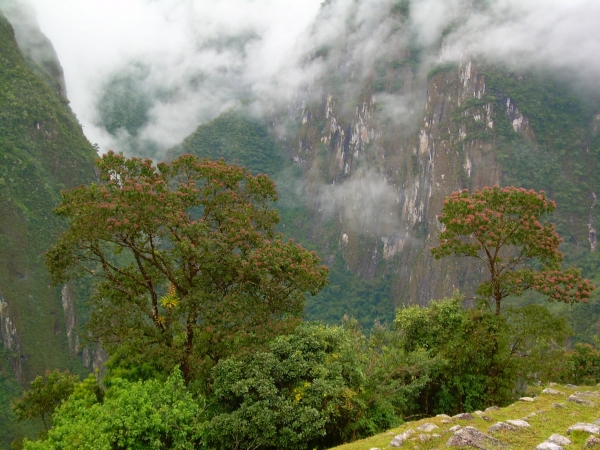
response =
{"points": [[471, 437], [360, 162]]}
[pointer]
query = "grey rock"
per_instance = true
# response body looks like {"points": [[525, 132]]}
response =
{"points": [[592, 441], [527, 399], [580, 401], [551, 391], [595, 394], [374, 448], [501, 426], [558, 405], [424, 437], [597, 421], [455, 428], [446, 421], [463, 416], [478, 413], [586, 427], [472, 437], [520, 423], [427, 427], [443, 416], [399, 440], [571, 386], [558, 439], [548, 446], [491, 408]]}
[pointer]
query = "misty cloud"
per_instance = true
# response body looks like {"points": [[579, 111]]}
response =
{"points": [[204, 57], [369, 204]]}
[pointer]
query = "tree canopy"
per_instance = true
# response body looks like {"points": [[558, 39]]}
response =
{"points": [[503, 228], [189, 265]]}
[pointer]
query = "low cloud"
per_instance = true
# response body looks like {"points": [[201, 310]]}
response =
{"points": [[204, 57]]}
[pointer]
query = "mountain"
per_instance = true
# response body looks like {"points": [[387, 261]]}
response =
{"points": [[371, 148], [42, 151]]}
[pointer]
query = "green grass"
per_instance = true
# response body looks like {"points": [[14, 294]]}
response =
{"points": [[546, 421]]}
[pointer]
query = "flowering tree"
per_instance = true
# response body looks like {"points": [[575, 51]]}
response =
{"points": [[502, 227], [189, 265]]}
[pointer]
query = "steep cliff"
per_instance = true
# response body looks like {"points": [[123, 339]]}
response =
{"points": [[42, 150]]}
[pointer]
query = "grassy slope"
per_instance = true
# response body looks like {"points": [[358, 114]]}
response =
{"points": [[546, 421]]}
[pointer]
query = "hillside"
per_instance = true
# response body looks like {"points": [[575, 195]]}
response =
{"points": [[547, 414], [366, 152], [42, 150]]}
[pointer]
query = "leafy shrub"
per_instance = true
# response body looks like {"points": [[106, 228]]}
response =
{"points": [[582, 365], [315, 388]]}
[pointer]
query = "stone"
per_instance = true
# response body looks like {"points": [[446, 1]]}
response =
{"points": [[487, 418], [399, 439], [491, 408], [592, 441], [519, 423], [443, 416], [558, 405], [463, 416], [424, 437], [527, 399], [595, 394], [478, 413], [548, 446], [597, 421], [586, 427], [455, 428], [580, 401], [446, 421], [374, 448], [558, 439], [551, 391], [472, 437], [501, 426], [571, 386], [427, 427]]}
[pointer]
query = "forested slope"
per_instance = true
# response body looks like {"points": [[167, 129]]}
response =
{"points": [[42, 150]]}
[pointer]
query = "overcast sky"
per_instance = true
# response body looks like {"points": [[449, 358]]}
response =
{"points": [[175, 39]]}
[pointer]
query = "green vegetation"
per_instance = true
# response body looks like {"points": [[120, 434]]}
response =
{"points": [[42, 150], [502, 228], [562, 158], [190, 268], [544, 418], [44, 395], [236, 137], [478, 355], [134, 415]]}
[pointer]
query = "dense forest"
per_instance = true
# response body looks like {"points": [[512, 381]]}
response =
{"points": [[296, 278]]}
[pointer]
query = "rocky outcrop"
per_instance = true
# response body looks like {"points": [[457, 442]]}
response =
{"points": [[10, 340]]}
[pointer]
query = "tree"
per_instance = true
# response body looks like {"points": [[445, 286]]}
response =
{"points": [[189, 265], [502, 227], [314, 388], [134, 415], [45, 394], [480, 358]]}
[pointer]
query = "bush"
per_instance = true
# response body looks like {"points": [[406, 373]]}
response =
{"points": [[315, 388]]}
